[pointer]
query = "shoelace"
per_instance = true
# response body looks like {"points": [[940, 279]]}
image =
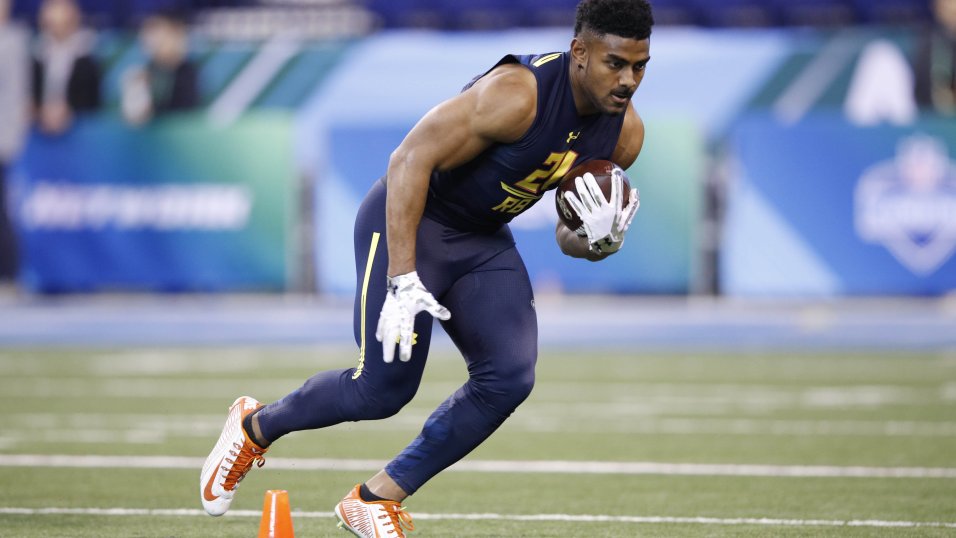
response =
{"points": [[241, 465], [400, 519]]}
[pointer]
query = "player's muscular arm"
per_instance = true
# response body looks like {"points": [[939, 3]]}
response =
{"points": [[628, 147], [500, 107]]}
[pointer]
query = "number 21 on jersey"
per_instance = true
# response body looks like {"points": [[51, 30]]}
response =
{"points": [[532, 187]]}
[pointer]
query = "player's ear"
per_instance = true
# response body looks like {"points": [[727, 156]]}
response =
{"points": [[579, 52]]}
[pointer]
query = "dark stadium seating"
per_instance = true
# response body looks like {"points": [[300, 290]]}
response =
{"points": [[815, 12], [456, 14], [126, 13], [892, 11], [737, 13], [493, 14]]}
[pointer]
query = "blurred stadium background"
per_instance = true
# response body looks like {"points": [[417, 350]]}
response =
{"points": [[786, 297]]}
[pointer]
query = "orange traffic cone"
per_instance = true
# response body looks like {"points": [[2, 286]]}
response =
{"points": [[276, 515]]}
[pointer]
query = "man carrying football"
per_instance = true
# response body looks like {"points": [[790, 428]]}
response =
{"points": [[433, 236]]}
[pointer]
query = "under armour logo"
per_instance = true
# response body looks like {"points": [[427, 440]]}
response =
{"points": [[573, 135], [398, 339]]}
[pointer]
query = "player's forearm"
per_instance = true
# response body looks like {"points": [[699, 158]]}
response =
{"points": [[401, 230], [575, 245], [404, 205]]}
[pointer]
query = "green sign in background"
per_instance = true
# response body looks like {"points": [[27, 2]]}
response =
{"points": [[184, 150]]}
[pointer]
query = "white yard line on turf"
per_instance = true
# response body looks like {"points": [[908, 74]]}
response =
{"points": [[574, 518], [139, 428], [499, 466]]}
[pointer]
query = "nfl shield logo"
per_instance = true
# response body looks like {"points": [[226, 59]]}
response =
{"points": [[909, 204]]}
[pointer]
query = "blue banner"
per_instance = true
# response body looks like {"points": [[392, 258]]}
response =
{"points": [[177, 206], [824, 207]]}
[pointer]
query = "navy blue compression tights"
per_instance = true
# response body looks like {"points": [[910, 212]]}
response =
{"points": [[481, 279]]}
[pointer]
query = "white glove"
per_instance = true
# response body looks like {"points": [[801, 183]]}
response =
{"points": [[405, 298], [622, 223], [604, 221]]}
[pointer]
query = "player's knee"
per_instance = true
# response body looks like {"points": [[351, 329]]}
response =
{"points": [[509, 389], [521, 386], [385, 405]]}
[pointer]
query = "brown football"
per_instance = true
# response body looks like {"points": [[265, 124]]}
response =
{"points": [[602, 171]]}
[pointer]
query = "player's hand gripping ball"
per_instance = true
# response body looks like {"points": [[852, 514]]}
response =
{"points": [[595, 199], [602, 172]]}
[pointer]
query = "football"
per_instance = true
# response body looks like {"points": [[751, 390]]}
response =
{"points": [[602, 171]]}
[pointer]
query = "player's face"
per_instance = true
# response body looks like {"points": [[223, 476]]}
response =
{"points": [[608, 69]]}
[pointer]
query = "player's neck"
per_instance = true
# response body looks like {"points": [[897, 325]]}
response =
{"points": [[583, 105]]}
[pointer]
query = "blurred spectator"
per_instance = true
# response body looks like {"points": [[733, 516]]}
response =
{"points": [[66, 77], [14, 108], [935, 67], [169, 80]]}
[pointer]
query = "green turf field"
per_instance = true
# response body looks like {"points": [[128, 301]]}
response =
{"points": [[814, 445]]}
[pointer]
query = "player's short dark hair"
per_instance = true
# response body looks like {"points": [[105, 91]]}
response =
{"points": [[625, 18]]}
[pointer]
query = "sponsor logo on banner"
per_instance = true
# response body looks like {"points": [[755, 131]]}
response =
{"points": [[908, 204], [64, 206]]}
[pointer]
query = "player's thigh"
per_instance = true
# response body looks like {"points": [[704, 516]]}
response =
{"points": [[495, 325], [371, 265]]}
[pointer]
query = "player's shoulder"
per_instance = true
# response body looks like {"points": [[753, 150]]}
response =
{"points": [[508, 96], [511, 81], [633, 123], [631, 139]]}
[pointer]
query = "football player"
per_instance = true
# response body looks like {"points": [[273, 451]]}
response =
{"points": [[432, 236]]}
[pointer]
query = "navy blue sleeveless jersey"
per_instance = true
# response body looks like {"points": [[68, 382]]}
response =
{"points": [[506, 179]]}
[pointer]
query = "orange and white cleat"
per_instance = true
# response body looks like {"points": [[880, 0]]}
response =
{"points": [[230, 459], [372, 519]]}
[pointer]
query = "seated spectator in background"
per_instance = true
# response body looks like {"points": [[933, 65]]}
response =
{"points": [[169, 80], [935, 69], [66, 77], [14, 113]]}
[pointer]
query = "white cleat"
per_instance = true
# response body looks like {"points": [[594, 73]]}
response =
{"points": [[230, 459], [373, 519]]}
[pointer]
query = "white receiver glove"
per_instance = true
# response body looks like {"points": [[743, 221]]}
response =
{"points": [[623, 221], [604, 221], [405, 298]]}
